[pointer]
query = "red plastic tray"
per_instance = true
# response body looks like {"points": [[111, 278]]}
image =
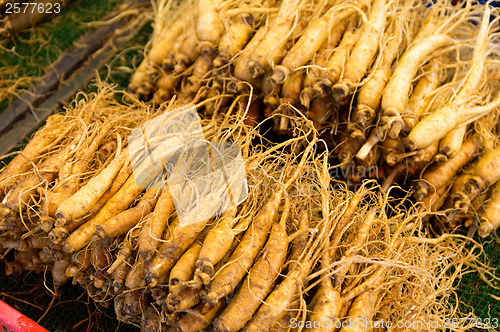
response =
{"points": [[14, 321]]}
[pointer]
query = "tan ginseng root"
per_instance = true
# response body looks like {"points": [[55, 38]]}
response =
{"points": [[23, 244], [80, 261], [435, 199], [139, 78], [299, 243], [135, 287], [368, 146], [179, 23], [190, 296], [335, 64], [421, 159], [59, 277], [252, 242], [347, 147], [290, 96], [434, 123], [14, 203], [361, 237], [166, 87], [392, 150], [470, 219], [241, 71], [277, 303], [369, 96], [421, 96], [361, 312], [269, 93], [115, 207], [184, 269], [490, 218], [396, 92], [187, 53], [202, 72], [486, 172], [217, 243], [209, 26], [151, 232], [123, 262], [438, 124], [100, 258], [457, 198], [168, 64], [451, 143], [150, 320], [119, 275], [38, 144], [439, 175], [187, 298], [363, 52], [272, 48], [80, 202], [290, 91], [314, 70], [124, 254], [234, 39], [148, 170], [71, 174], [314, 36], [124, 221], [327, 300], [160, 291], [179, 239], [65, 226], [260, 278], [283, 324], [167, 81], [199, 317]]}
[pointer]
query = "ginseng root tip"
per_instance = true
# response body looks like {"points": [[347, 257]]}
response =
{"points": [[279, 76], [409, 144], [206, 47], [485, 229], [152, 281], [440, 158], [255, 69]]}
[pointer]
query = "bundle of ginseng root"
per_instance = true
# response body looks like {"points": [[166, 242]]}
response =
{"points": [[400, 84], [70, 150], [294, 253]]}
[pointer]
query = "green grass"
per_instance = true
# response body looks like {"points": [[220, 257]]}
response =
{"points": [[474, 293], [32, 51]]}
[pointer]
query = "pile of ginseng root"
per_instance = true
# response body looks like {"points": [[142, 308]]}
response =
{"points": [[295, 254], [401, 90]]}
